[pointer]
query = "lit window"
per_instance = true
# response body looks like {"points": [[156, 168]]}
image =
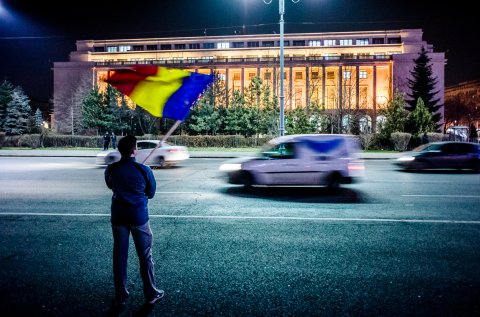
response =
{"points": [[329, 42], [223, 45], [347, 74], [314, 43], [363, 55], [361, 42], [332, 56], [363, 74], [124, 48], [346, 42], [112, 49]]}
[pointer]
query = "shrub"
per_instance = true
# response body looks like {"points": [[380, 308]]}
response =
{"points": [[400, 140]]}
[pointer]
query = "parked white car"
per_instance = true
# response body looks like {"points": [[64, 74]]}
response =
{"points": [[302, 159], [165, 155]]}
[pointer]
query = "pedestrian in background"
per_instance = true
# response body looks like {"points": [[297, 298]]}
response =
{"points": [[132, 184], [424, 138], [106, 141], [114, 140]]}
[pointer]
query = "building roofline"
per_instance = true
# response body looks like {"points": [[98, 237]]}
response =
{"points": [[255, 36]]}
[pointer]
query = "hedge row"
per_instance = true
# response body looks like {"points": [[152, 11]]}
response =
{"points": [[398, 141], [81, 141]]}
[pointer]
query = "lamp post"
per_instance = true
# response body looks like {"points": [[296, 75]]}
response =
{"points": [[281, 11]]}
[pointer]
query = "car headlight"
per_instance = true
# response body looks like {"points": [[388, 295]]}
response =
{"points": [[230, 167], [406, 158]]}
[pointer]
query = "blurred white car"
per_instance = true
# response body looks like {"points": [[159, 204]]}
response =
{"points": [[165, 155], [302, 159]]}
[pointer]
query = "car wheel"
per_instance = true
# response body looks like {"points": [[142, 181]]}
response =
{"points": [[247, 180], [334, 181], [109, 160], [161, 162]]}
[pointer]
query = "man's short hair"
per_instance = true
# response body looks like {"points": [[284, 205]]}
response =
{"points": [[127, 145]]}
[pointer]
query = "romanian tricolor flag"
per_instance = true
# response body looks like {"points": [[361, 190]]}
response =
{"points": [[163, 92]]}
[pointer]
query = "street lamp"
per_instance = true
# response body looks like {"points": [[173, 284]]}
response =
{"points": [[281, 11]]}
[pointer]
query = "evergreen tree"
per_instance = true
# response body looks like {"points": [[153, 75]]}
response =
{"points": [[422, 85], [18, 113], [420, 119], [234, 120], [297, 122], [204, 117], [396, 116], [38, 118], [116, 112], [6, 90], [268, 116], [92, 110]]}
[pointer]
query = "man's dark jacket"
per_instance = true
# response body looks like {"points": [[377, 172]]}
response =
{"points": [[133, 184]]}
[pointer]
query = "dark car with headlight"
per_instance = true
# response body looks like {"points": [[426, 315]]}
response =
{"points": [[441, 155]]}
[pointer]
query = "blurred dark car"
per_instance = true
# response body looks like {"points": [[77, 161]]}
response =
{"points": [[441, 155]]}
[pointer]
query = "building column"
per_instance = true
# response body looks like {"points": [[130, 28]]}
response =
{"points": [[290, 87], [374, 119], [357, 87], [307, 86], [274, 88], [324, 81], [258, 75], [242, 79], [226, 85], [340, 97]]}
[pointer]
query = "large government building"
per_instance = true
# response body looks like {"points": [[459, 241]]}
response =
{"points": [[351, 71]]}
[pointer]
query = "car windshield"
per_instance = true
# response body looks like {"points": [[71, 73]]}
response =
{"points": [[281, 150], [427, 147]]}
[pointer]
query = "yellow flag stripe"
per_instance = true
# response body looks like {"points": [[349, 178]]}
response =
{"points": [[153, 92]]}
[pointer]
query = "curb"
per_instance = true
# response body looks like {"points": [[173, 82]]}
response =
{"points": [[193, 154]]}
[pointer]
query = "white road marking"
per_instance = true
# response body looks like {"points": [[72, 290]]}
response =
{"points": [[474, 222], [449, 196]]}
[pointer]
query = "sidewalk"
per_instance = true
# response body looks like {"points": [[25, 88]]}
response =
{"points": [[193, 154]]}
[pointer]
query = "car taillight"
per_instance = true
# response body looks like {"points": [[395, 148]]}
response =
{"points": [[356, 166]]}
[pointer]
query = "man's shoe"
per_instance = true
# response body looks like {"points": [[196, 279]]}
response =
{"points": [[157, 297]]}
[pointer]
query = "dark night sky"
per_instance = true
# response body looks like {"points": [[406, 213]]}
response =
{"points": [[34, 34]]}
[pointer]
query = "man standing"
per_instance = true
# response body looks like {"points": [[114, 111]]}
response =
{"points": [[132, 184], [106, 141], [114, 140]]}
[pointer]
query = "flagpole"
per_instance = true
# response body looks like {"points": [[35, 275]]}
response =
{"points": [[174, 126]]}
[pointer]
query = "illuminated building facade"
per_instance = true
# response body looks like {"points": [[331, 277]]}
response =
{"points": [[341, 71], [466, 94]]}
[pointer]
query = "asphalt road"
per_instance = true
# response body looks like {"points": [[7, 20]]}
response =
{"points": [[397, 244]]}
